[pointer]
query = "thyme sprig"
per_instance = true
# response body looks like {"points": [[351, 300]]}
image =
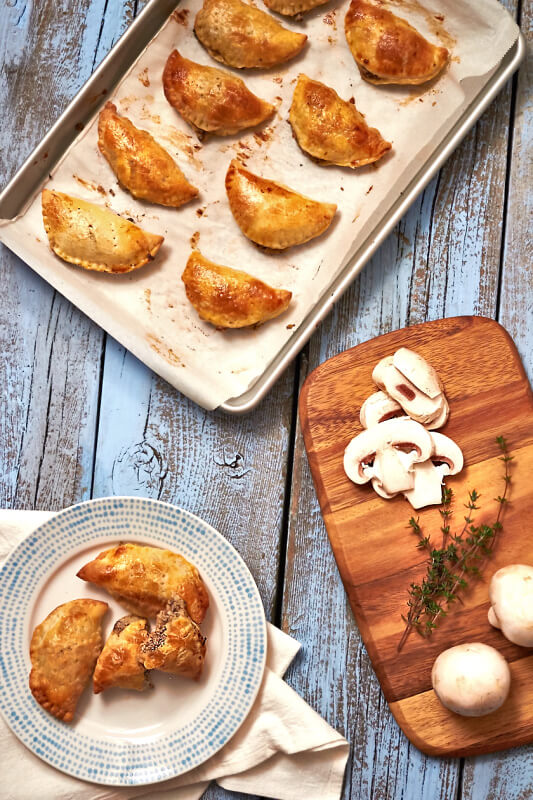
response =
{"points": [[458, 559]]}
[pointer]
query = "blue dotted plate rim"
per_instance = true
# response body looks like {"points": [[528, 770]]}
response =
{"points": [[126, 762]]}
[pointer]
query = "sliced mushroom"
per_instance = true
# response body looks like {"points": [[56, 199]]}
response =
{"points": [[418, 405], [418, 371], [446, 459], [511, 596], [378, 408], [386, 452]]}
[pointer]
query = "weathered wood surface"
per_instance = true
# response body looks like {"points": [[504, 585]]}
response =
{"points": [[83, 418]]}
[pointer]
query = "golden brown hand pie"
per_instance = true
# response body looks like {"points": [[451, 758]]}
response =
{"points": [[270, 213], [145, 578], [93, 237], [140, 163], [332, 129], [210, 98], [387, 49], [240, 35], [120, 663], [63, 652], [176, 645], [292, 7], [230, 298]]}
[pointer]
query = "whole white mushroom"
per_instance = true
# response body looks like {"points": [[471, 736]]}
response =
{"points": [[511, 597], [471, 679]]}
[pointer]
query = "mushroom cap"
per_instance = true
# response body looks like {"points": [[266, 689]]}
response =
{"points": [[418, 371], [471, 679], [392, 433], [442, 417], [511, 596], [419, 406], [447, 451], [378, 408]]}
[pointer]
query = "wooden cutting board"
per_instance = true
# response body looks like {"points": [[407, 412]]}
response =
{"points": [[376, 553]]}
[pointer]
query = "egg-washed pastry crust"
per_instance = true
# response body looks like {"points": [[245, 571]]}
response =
{"points": [[230, 298], [387, 49], [93, 237], [242, 36], [176, 645], [142, 166], [332, 129], [290, 8], [211, 99], [271, 214], [145, 578], [120, 664], [63, 652]]}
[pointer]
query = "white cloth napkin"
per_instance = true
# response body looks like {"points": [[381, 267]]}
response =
{"points": [[283, 750]]}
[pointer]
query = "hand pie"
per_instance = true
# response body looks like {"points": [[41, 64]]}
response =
{"points": [[120, 663], [211, 99], [332, 129], [387, 49], [63, 652], [240, 35], [176, 645], [140, 163], [230, 298], [144, 578], [93, 237], [292, 7], [270, 213]]}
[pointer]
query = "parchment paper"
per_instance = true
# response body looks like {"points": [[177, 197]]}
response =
{"points": [[147, 310]]}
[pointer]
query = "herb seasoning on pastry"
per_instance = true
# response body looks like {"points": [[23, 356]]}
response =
{"points": [[63, 652], [211, 99], [94, 237], [176, 645], [271, 214], [142, 166], [387, 49], [290, 8], [145, 578], [332, 129], [240, 35], [120, 664], [230, 298]]}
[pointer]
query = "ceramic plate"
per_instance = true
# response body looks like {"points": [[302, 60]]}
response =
{"points": [[125, 738]]}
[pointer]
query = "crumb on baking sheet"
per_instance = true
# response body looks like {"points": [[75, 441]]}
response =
{"points": [[181, 17], [143, 77], [148, 298], [163, 350]]}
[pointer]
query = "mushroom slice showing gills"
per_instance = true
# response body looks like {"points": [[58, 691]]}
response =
{"points": [[386, 453], [378, 408], [420, 406], [447, 459], [511, 597], [271, 214]]}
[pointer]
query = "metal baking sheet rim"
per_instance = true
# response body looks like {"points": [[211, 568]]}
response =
{"points": [[42, 160]]}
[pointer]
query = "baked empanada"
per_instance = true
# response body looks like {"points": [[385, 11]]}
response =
{"points": [[120, 662], [292, 7], [176, 645], [332, 129], [241, 35], [145, 578], [210, 98], [387, 49], [63, 652], [230, 298], [94, 237], [142, 166], [270, 213]]}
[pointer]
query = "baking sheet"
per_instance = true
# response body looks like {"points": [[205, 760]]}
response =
{"points": [[147, 310]]}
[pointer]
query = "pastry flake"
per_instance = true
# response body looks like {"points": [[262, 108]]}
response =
{"points": [[120, 663], [176, 645], [142, 166], [332, 129], [230, 298], [270, 213], [145, 578], [387, 49], [240, 35], [290, 8], [211, 99], [94, 237], [63, 652]]}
